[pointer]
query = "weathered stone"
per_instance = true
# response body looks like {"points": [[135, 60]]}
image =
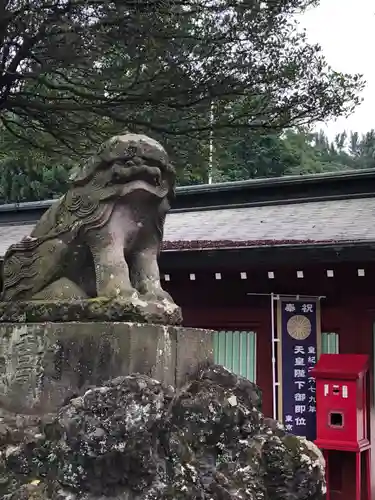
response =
{"points": [[194, 351], [134, 439], [102, 238], [43, 364], [97, 309]]}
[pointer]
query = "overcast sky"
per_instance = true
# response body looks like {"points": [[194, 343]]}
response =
{"points": [[346, 31]]}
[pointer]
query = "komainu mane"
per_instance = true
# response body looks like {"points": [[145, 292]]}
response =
{"points": [[103, 237]]}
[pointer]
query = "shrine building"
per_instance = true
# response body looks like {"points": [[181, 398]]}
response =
{"points": [[282, 269]]}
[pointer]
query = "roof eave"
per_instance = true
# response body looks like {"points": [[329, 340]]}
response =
{"points": [[289, 246], [246, 257]]}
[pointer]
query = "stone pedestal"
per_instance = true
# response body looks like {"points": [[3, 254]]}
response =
{"points": [[43, 364]]}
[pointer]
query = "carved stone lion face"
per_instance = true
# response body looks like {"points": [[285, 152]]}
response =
{"points": [[131, 162]]}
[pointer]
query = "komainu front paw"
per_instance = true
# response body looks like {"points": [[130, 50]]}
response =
{"points": [[157, 295], [161, 304], [120, 293]]}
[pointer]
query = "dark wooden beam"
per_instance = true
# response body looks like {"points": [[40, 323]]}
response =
{"points": [[270, 257]]}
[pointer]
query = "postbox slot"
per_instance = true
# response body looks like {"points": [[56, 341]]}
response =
{"points": [[336, 419], [336, 390]]}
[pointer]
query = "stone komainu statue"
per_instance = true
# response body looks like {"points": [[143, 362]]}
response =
{"points": [[103, 237]]}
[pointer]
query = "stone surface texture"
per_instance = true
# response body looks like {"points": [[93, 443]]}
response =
{"points": [[98, 309], [43, 364], [103, 237], [134, 438]]}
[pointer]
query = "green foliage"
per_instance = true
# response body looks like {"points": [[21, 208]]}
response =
{"points": [[80, 69], [295, 152], [76, 71], [29, 174], [254, 156]]}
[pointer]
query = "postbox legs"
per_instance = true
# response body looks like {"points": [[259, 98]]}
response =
{"points": [[358, 476], [325, 454], [358, 471], [368, 473]]}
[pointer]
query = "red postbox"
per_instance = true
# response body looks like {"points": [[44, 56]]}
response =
{"points": [[341, 408], [341, 401]]}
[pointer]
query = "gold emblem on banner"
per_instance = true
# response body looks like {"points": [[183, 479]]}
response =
{"points": [[299, 327]]}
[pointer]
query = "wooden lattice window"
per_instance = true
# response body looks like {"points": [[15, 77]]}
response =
{"points": [[330, 343], [236, 350]]}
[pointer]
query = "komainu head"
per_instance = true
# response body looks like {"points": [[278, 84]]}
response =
{"points": [[126, 163]]}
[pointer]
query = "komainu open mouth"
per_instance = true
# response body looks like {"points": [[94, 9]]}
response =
{"points": [[122, 174]]}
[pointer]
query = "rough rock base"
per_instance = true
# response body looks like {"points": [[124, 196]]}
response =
{"points": [[133, 439], [43, 364]]}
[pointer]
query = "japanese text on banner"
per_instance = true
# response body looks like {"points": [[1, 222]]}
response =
{"points": [[299, 340]]}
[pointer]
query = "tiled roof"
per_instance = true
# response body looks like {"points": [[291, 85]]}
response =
{"points": [[315, 221], [10, 234], [305, 222]]}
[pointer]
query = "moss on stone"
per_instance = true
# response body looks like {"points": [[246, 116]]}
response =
{"points": [[134, 438], [293, 443], [97, 309]]}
